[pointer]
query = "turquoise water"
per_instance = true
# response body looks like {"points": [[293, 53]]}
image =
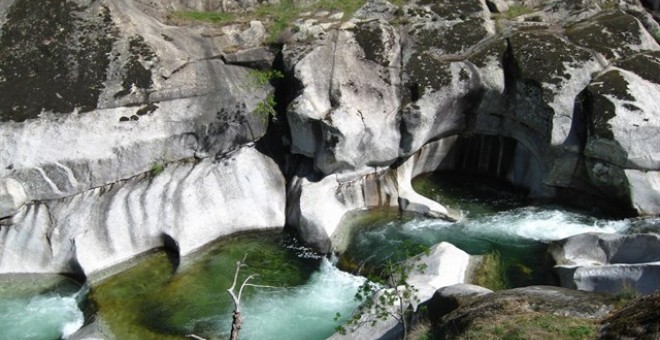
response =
{"points": [[155, 299], [152, 301], [496, 220], [38, 307]]}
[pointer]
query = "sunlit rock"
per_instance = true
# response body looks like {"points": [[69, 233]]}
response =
{"points": [[184, 207], [609, 262]]}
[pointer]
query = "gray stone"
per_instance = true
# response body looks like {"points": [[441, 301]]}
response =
{"points": [[319, 205], [260, 58], [447, 299], [609, 262], [347, 123]]}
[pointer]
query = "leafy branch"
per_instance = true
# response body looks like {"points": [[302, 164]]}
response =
{"points": [[388, 295]]}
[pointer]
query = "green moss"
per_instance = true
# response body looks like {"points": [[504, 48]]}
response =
{"points": [[53, 56], [157, 169], [494, 50], [211, 17], [544, 58], [515, 11], [277, 17], [453, 10], [427, 72], [489, 274]]}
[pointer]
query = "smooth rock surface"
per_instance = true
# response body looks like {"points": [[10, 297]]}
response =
{"points": [[609, 262], [186, 206]]}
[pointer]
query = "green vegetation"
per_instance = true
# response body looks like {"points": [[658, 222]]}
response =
{"points": [[277, 18], [157, 168], [515, 11], [656, 34], [389, 295], [532, 326], [627, 294], [258, 79], [211, 17]]}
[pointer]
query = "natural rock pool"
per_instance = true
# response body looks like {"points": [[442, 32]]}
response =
{"points": [[156, 299]]}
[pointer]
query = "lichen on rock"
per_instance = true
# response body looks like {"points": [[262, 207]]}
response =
{"points": [[54, 57]]}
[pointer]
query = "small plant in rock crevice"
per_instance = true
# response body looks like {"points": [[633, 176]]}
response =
{"points": [[258, 79], [157, 168]]}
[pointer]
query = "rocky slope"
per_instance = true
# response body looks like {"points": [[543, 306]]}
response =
{"points": [[121, 133]]}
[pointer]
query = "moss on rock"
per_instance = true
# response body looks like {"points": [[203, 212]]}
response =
{"points": [[53, 57], [645, 65], [545, 58], [135, 74], [610, 34], [601, 109], [369, 35], [426, 72]]}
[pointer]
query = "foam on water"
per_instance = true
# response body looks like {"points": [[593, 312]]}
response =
{"points": [[49, 316], [532, 223], [303, 312]]}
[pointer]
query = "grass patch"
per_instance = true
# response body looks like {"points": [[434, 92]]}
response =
{"points": [[210, 17], [514, 11], [532, 326], [277, 18]]}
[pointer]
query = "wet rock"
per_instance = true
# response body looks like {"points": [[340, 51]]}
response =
{"points": [[318, 204]]}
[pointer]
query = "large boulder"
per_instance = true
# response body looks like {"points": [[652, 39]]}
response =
{"points": [[443, 265], [609, 262], [318, 205], [346, 115], [521, 312]]}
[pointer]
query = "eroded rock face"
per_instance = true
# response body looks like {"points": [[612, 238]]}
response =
{"points": [[317, 206], [345, 122], [95, 98], [184, 207], [542, 80], [609, 263]]}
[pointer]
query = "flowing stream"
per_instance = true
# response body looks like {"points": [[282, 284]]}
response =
{"points": [[38, 307], [496, 221], [151, 301], [160, 298]]}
